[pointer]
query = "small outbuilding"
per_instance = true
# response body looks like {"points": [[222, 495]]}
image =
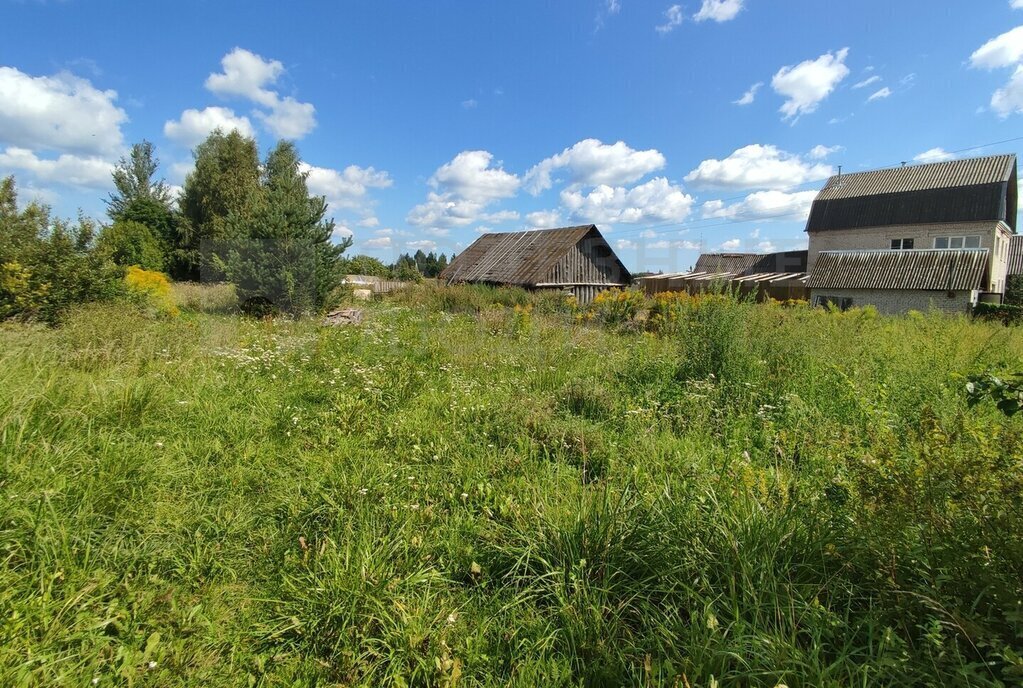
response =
{"points": [[575, 260], [895, 281]]}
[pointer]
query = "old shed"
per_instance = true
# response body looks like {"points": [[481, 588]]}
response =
{"points": [[577, 260], [895, 281]]}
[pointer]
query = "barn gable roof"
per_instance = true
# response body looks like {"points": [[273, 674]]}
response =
{"points": [[520, 258], [966, 190], [932, 269]]}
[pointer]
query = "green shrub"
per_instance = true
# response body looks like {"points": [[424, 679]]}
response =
{"points": [[129, 243], [1014, 290], [1007, 314], [48, 265]]}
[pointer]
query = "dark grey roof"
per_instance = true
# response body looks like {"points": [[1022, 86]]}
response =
{"points": [[752, 263], [1016, 254], [933, 269], [966, 190], [522, 258], [736, 263]]}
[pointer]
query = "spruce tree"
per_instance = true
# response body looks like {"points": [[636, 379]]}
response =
{"points": [[282, 257]]}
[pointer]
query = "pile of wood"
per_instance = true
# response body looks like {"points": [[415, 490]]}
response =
{"points": [[343, 316]]}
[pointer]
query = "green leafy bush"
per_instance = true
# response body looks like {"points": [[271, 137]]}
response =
{"points": [[49, 265], [1006, 313], [1006, 392], [128, 243]]}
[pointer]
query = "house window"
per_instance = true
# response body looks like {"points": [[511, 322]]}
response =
{"points": [[839, 302], [972, 241], [904, 244]]}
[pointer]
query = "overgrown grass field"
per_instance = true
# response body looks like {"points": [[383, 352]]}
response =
{"points": [[455, 493]]}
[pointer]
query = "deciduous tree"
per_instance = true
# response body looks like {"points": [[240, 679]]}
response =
{"points": [[219, 195]]}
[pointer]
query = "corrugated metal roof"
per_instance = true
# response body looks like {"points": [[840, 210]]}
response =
{"points": [[750, 263], [1016, 255], [726, 262], [941, 269], [519, 258], [938, 175], [969, 190]]}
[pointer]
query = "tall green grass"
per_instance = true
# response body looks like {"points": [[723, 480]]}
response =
{"points": [[759, 496]]}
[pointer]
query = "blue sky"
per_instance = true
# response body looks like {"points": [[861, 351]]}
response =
{"points": [[673, 127]]}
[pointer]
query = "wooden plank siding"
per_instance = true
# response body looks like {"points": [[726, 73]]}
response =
{"points": [[589, 262], [577, 260]]}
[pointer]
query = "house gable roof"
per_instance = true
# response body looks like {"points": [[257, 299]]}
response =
{"points": [[933, 269], [967, 190], [520, 258]]}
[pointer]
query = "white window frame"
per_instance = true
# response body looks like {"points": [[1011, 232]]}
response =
{"points": [[902, 244], [962, 240]]}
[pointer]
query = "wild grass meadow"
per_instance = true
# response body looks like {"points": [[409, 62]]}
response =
{"points": [[477, 488]]}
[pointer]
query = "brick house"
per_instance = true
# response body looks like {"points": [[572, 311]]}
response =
{"points": [[952, 216]]}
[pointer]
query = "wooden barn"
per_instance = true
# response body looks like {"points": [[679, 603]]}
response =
{"points": [[575, 260]]}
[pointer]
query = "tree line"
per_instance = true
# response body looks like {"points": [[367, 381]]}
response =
{"points": [[408, 267], [239, 219]]}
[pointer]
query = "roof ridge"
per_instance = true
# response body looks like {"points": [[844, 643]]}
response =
{"points": [[921, 165]]}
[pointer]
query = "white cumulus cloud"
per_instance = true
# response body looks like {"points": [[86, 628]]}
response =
{"points": [[1001, 51], [657, 200], [378, 242], [934, 155], [543, 219], [195, 125], [425, 245], [819, 152], [808, 83], [1005, 50], [347, 188], [757, 166], [464, 188], [763, 205], [1009, 99], [248, 75], [591, 162], [62, 113], [469, 175], [719, 10], [73, 170]]}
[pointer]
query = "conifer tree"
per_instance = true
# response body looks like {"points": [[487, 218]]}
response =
{"points": [[283, 258], [218, 194]]}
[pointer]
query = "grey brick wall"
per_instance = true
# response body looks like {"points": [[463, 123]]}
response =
{"points": [[996, 240], [895, 302]]}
